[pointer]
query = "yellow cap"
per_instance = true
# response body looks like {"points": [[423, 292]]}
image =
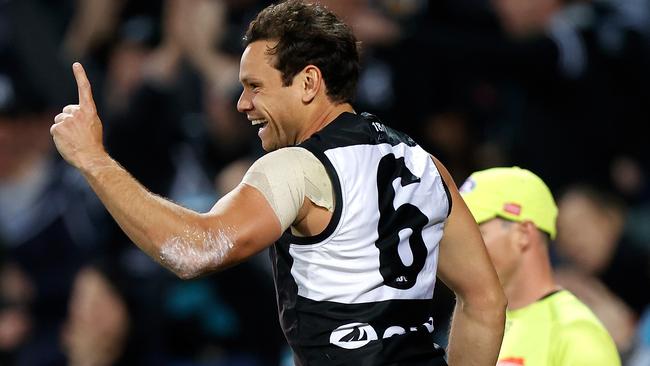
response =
{"points": [[513, 194]]}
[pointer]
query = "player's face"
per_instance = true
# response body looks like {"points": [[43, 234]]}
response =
{"points": [[500, 243], [267, 103]]}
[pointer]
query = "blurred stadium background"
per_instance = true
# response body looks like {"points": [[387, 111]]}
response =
{"points": [[558, 87]]}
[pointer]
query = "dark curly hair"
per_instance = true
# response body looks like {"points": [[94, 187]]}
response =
{"points": [[309, 34]]}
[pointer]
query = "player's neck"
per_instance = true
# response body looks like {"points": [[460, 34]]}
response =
{"points": [[323, 116], [529, 284]]}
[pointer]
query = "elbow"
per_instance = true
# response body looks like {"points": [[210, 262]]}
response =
{"points": [[183, 267], [490, 301], [496, 312], [185, 275], [194, 254], [501, 304], [496, 300]]}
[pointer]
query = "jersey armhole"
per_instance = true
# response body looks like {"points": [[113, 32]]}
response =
{"points": [[449, 201], [338, 202], [444, 185]]}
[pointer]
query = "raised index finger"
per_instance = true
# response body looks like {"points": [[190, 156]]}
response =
{"points": [[83, 86]]}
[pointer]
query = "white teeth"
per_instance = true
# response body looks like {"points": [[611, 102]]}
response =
{"points": [[258, 121]]}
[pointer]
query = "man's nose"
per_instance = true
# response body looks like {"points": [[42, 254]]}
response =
{"points": [[244, 103]]}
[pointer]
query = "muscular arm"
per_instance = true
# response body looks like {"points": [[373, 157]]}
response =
{"points": [[188, 243], [464, 266]]}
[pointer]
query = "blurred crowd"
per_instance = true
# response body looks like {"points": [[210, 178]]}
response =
{"points": [[559, 87]]}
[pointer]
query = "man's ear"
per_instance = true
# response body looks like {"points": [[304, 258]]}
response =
{"points": [[526, 232], [311, 81]]}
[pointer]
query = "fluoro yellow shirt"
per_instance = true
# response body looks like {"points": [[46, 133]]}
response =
{"points": [[557, 330]]}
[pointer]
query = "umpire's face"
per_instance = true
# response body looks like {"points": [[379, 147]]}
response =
{"points": [[275, 108], [503, 245]]}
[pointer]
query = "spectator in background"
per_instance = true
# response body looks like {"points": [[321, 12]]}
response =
{"points": [[46, 224], [96, 327], [545, 324], [537, 68], [583, 98], [16, 295], [600, 262]]}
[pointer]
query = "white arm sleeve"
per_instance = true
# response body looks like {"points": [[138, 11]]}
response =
{"points": [[285, 177]]}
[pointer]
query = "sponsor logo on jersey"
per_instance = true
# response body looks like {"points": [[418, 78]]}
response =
{"points": [[357, 335], [353, 335], [511, 361]]}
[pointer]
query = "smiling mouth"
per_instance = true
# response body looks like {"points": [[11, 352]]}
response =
{"points": [[259, 122]]}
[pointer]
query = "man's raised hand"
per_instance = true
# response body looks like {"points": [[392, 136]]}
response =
{"points": [[77, 130]]}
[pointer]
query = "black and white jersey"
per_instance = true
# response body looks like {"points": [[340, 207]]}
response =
{"points": [[360, 292]]}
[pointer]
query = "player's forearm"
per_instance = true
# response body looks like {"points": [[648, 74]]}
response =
{"points": [[172, 235], [476, 333]]}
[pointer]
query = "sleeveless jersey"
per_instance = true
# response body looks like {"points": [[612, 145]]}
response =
{"points": [[360, 292]]}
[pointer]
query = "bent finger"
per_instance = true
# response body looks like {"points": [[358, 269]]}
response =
{"points": [[71, 108], [61, 117]]}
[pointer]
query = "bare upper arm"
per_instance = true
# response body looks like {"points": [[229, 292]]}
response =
{"points": [[463, 257], [246, 219]]}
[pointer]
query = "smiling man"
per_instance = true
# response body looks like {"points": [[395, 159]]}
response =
{"points": [[358, 217]]}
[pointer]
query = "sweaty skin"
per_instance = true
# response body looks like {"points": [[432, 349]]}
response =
{"points": [[187, 259]]}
